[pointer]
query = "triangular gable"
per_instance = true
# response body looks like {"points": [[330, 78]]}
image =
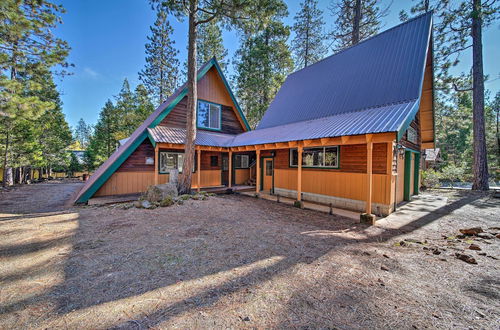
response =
{"points": [[104, 172]]}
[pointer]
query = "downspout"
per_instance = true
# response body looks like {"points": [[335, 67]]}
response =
{"points": [[398, 146]]}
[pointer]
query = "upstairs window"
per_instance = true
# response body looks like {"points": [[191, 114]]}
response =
{"points": [[209, 115], [324, 157]]}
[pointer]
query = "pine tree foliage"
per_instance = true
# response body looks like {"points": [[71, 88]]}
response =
{"points": [[349, 29], [308, 44], [210, 44], [262, 63], [160, 76], [28, 52], [82, 134]]}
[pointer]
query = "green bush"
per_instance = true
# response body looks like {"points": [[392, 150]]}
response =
{"points": [[452, 173], [430, 178], [184, 197], [167, 201]]}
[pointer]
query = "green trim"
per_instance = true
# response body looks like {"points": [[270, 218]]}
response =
{"points": [[220, 116], [216, 64], [406, 191], [315, 167], [152, 140], [113, 167], [416, 174]]}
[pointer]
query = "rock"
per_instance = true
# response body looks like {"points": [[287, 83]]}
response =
{"points": [[146, 204], [173, 177], [384, 268], [485, 235], [367, 218], [385, 256], [474, 247], [467, 258], [138, 204], [471, 231], [497, 236], [160, 192], [411, 240]]}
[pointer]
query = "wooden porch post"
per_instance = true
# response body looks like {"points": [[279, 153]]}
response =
{"points": [[157, 165], [257, 185], [369, 174], [198, 168], [299, 173], [230, 168]]}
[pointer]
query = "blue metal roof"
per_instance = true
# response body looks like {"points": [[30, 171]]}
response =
{"points": [[163, 134], [386, 69]]}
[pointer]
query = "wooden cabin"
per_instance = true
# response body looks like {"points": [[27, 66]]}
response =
{"points": [[357, 121]]}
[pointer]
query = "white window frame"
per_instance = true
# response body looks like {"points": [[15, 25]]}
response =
{"points": [[210, 104], [337, 165]]}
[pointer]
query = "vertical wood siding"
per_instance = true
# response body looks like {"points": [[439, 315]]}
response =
{"points": [[241, 175], [426, 112]]}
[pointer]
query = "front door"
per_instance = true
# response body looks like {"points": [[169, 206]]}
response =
{"points": [[225, 169], [268, 174]]}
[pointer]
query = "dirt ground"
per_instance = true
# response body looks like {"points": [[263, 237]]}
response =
{"points": [[235, 261]]}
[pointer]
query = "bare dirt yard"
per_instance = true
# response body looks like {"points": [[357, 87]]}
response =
{"points": [[239, 262]]}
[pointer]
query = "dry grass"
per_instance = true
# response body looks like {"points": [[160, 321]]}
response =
{"points": [[235, 261]]}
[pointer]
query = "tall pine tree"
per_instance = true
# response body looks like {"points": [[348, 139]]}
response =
{"points": [[355, 20], [262, 64], [103, 142], [161, 73], [308, 44]]}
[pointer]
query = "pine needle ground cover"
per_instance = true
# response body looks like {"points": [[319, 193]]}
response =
{"points": [[235, 261]]}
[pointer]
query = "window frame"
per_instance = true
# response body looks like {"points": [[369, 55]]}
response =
{"points": [[290, 155], [198, 124], [169, 152], [241, 167]]}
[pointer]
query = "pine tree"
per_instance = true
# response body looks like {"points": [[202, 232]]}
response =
{"points": [[308, 44], [262, 64], [28, 48], [161, 73], [233, 13], [210, 44], [355, 20], [83, 132], [124, 112], [103, 142], [143, 106], [459, 27]]}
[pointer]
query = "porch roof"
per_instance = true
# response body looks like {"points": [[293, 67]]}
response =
{"points": [[163, 134]]}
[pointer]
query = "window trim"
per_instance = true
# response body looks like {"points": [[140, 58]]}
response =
{"points": [[242, 168], [290, 153], [168, 152], [220, 116]]}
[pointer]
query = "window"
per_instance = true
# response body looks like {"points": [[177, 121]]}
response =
{"points": [[170, 161], [411, 135], [214, 161], [326, 157], [241, 161], [269, 168], [209, 115]]}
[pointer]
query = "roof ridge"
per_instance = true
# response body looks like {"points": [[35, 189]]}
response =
{"points": [[365, 40]]}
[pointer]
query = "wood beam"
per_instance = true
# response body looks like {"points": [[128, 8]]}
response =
{"points": [[369, 176], [157, 167], [230, 168], [257, 185], [299, 173], [198, 169]]}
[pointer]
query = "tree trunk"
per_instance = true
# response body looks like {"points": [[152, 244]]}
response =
{"points": [[7, 171], [480, 158], [356, 23], [185, 179]]}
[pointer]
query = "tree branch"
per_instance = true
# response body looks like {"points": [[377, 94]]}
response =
{"points": [[460, 90]]}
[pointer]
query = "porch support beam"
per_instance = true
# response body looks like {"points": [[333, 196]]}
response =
{"points": [[257, 184], [299, 173], [369, 174], [157, 165], [198, 168], [230, 168]]}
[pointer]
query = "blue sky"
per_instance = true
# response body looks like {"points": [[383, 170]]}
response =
{"points": [[108, 37]]}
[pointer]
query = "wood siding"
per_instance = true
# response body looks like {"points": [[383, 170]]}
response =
{"points": [[241, 175], [404, 140], [136, 162], [338, 184], [426, 111], [210, 88]]}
